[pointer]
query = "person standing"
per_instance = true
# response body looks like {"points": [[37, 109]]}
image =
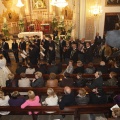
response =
{"points": [[15, 50], [55, 33], [22, 44], [67, 99], [62, 44], [5, 49]]}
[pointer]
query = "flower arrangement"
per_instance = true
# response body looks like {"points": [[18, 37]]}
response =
{"points": [[5, 29], [54, 23], [21, 25]]}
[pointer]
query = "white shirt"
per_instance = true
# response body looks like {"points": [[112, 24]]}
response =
{"points": [[4, 103], [30, 71]]}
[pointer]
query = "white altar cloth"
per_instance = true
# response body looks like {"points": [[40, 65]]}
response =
{"points": [[24, 34]]}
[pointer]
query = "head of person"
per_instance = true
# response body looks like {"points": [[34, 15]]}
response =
{"points": [[2, 95], [3, 40], [90, 65], [116, 112], [52, 76], [22, 75], [38, 75], [14, 40], [31, 95], [11, 76], [102, 63], [83, 40], [67, 90], [92, 41], [82, 92], [79, 75], [21, 39], [1, 56], [29, 65], [61, 38], [97, 34], [15, 94], [51, 92], [74, 46], [79, 63], [98, 74], [70, 63], [31, 46], [87, 44], [112, 74]]}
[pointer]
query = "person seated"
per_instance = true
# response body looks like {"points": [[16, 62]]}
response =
{"points": [[67, 99], [90, 69], [38, 81], [42, 67], [98, 96], [23, 82], [32, 101], [11, 82], [16, 99], [116, 67], [112, 81], [67, 81], [79, 68], [21, 68], [52, 82], [53, 68], [116, 113], [97, 82], [69, 68], [29, 69], [103, 68], [52, 98], [80, 82], [82, 97], [4, 102]]}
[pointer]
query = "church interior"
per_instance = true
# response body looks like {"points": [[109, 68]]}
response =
{"points": [[80, 37]]}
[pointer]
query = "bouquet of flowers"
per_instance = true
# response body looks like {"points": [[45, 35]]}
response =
{"points": [[5, 29], [21, 25]]}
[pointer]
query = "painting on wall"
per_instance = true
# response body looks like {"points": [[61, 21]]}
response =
{"points": [[112, 3], [38, 4]]}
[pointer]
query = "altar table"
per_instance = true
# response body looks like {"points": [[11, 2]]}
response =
{"points": [[24, 34]]}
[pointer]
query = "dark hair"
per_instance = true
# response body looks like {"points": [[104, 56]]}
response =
{"points": [[66, 74]]}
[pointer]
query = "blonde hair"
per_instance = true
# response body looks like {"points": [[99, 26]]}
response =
{"points": [[51, 92], [82, 92], [11, 76], [52, 76], [1, 56], [2, 95], [39, 74], [15, 94], [113, 74], [31, 95]]}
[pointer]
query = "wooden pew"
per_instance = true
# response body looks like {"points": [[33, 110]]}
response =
{"points": [[70, 110], [58, 90]]}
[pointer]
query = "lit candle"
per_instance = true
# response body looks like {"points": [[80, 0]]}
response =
{"points": [[4, 20]]}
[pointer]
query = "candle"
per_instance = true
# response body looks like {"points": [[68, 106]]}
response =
{"points": [[4, 20]]}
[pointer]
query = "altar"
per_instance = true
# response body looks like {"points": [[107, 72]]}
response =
{"points": [[24, 34]]}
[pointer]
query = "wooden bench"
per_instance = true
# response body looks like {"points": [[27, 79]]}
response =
{"points": [[58, 90], [70, 110]]}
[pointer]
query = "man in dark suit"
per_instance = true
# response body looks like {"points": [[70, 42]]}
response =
{"points": [[5, 49], [33, 55], [62, 44], [22, 45], [74, 53], [67, 99], [44, 43], [88, 53], [37, 45], [15, 50], [53, 68], [98, 82], [55, 33]]}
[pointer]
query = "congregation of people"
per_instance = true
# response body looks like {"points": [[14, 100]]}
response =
{"points": [[40, 59]]}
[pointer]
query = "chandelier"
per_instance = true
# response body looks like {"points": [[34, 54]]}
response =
{"points": [[59, 3], [19, 3], [96, 9]]}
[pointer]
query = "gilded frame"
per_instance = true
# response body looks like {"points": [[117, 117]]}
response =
{"points": [[112, 3]]}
